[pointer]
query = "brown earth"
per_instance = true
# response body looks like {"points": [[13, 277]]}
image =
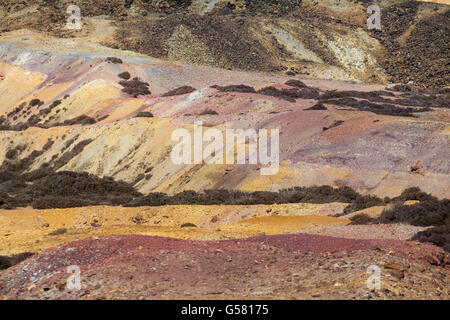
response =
{"points": [[273, 267]]}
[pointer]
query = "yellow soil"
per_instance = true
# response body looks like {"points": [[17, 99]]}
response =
{"points": [[437, 1], [28, 229], [284, 224], [16, 82], [411, 202]]}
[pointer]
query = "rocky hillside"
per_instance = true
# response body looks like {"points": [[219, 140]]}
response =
{"points": [[318, 39], [68, 109], [87, 177]]}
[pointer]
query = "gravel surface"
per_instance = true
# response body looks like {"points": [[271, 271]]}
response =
{"points": [[269, 267], [395, 231]]}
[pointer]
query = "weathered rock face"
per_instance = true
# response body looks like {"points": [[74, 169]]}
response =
{"points": [[325, 39], [71, 108]]}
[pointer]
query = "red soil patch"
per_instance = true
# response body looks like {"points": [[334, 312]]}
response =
{"points": [[149, 259]]}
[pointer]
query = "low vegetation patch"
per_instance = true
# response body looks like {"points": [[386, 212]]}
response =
{"points": [[83, 120], [410, 101], [317, 106], [62, 189], [44, 189], [9, 261], [428, 212], [135, 87], [235, 88], [286, 94], [333, 125], [296, 83], [424, 213], [124, 75], [439, 236], [179, 91], [188, 225], [360, 218], [114, 60], [144, 114], [322, 194], [208, 111], [58, 232]]}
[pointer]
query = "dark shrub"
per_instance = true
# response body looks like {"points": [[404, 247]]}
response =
{"points": [[138, 178], [124, 75], [334, 125], [402, 88], [258, 197], [188, 224], [37, 174], [188, 196], [46, 111], [69, 155], [83, 120], [317, 106], [64, 189], [121, 200], [208, 111], [7, 175], [235, 88], [114, 60], [48, 145], [34, 119], [148, 169], [67, 183], [69, 142], [309, 93], [361, 218], [414, 193], [179, 91], [103, 117], [285, 94], [135, 87], [424, 213], [322, 194], [58, 232], [138, 219], [23, 164], [144, 114], [296, 83], [439, 236], [20, 108], [50, 202], [363, 202], [152, 199], [220, 196], [11, 154], [9, 261], [35, 102], [54, 104]]}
